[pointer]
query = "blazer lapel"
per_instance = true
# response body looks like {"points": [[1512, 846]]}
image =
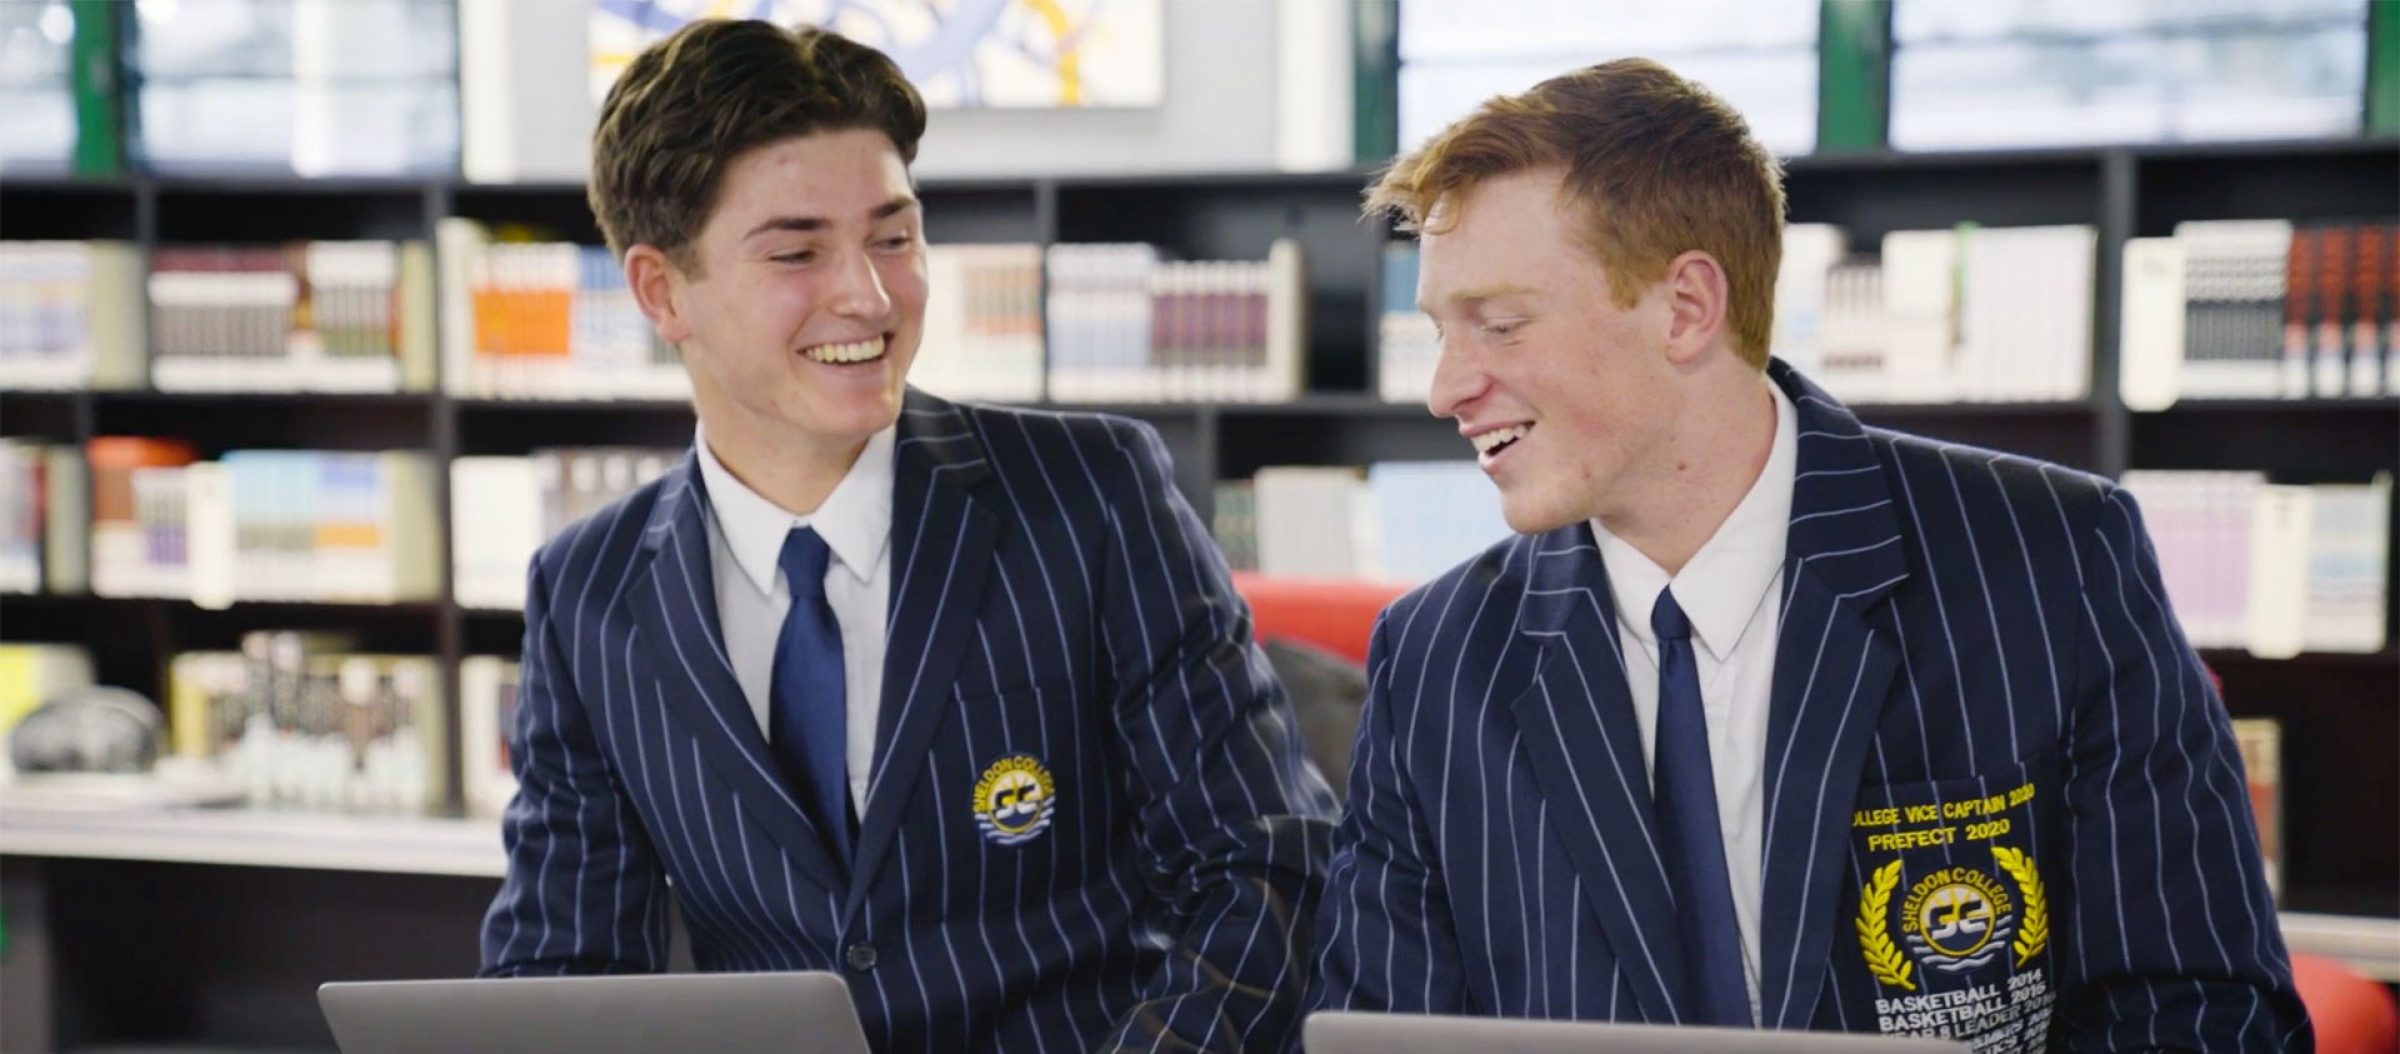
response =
{"points": [[674, 605], [942, 541], [1586, 753], [1834, 660]]}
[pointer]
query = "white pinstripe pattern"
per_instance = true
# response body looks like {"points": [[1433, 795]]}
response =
{"points": [[1053, 596], [1955, 623]]}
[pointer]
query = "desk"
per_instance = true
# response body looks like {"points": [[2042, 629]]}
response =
{"points": [[261, 905]]}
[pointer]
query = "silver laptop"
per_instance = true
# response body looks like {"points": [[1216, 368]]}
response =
{"points": [[806, 1013], [1342, 1032]]}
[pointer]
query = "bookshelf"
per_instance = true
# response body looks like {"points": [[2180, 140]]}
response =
{"points": [[2327, 701]]}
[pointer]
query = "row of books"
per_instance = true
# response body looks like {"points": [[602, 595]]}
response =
{"points": [[2272, 569], [2223, 309], [556, 321], [44, 514], [515, 503], [315, 316], [297, 719], [301, 719], [545, 320], [347, 316], [983, 323], [1125, 325], [253, 525], [1972, 314], [71, 315], [1394, 520], [2261, 309]]}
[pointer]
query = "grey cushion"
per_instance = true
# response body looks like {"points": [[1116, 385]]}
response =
{"points": [[1327, 691]]}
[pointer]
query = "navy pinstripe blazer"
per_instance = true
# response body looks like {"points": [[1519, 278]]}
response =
{"points": [[1055, 601], [2002, 797]]}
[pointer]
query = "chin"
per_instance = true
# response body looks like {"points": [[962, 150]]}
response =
{"points": [[1528, 514]]}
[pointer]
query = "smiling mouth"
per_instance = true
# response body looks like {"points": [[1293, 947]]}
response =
{"points": [[1490, 445], [850, 354]]}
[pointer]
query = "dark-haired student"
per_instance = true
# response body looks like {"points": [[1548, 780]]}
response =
{"points": [[955, 700]]}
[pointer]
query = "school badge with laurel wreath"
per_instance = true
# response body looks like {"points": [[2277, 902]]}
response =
{"points": [[1953, 920]]}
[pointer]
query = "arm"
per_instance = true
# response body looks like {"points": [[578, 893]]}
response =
{"points": [[1389, 942], [2170, 939], [1233, 824], [583, 893]]}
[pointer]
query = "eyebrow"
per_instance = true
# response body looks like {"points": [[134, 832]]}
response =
{"points": [[898, 204], [1482, 293]]}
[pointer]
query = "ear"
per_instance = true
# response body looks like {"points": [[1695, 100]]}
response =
{"points": [[1696, 294], [657, 286]]}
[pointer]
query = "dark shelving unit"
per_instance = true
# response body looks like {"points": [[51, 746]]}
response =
{"points": [[2330, 703]]}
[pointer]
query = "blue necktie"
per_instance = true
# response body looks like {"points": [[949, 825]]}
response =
{"points": [[1690, 840], [808, 718]]}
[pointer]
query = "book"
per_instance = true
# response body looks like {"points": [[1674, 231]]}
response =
{"points": [[1311, 521], [2260, 743], [547, 320], [302, 720], [983, 323], [2236, 273], [1235, 526], [1407, 348], [503, 508], [121, 562], [1128, 326], [2276, 570], [71, 315], [2151, 341], [487, 708], [324, 316], [2348, 574], [1970, 314]]}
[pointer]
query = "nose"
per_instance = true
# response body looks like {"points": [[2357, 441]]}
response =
{"points": [[858, 290], [1457, 381]]}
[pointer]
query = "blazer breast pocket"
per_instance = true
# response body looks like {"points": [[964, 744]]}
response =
{"points": [[1029, 754], [1953, 915]]}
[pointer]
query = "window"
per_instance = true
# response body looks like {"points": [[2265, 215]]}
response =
{"points": [[37, 89], [2063, 72], [1760, 55], [310, 87]]}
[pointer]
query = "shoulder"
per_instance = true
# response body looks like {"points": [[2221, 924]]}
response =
{"points": [[1052, 433], [1981, 482], [1459, 600], [1063, 452]]}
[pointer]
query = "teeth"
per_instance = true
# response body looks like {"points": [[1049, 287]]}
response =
{"points": [[858, 351], [1487, 442]]}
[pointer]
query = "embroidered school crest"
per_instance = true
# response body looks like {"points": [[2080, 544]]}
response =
{"points": [[1955, 919], [1014, 800]]}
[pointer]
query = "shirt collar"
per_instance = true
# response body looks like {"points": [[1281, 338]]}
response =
{"points": [[1723, 583], [855, 520]]}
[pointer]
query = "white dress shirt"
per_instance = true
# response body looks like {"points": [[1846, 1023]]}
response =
{"points": [[1732, 591], [745, 545]]}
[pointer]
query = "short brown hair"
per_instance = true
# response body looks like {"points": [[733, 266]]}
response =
{"points": [[1656, 165], [691, 103]]}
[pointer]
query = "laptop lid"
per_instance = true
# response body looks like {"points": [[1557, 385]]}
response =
{"points": [[1343, 1032], [631, 1014]]}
